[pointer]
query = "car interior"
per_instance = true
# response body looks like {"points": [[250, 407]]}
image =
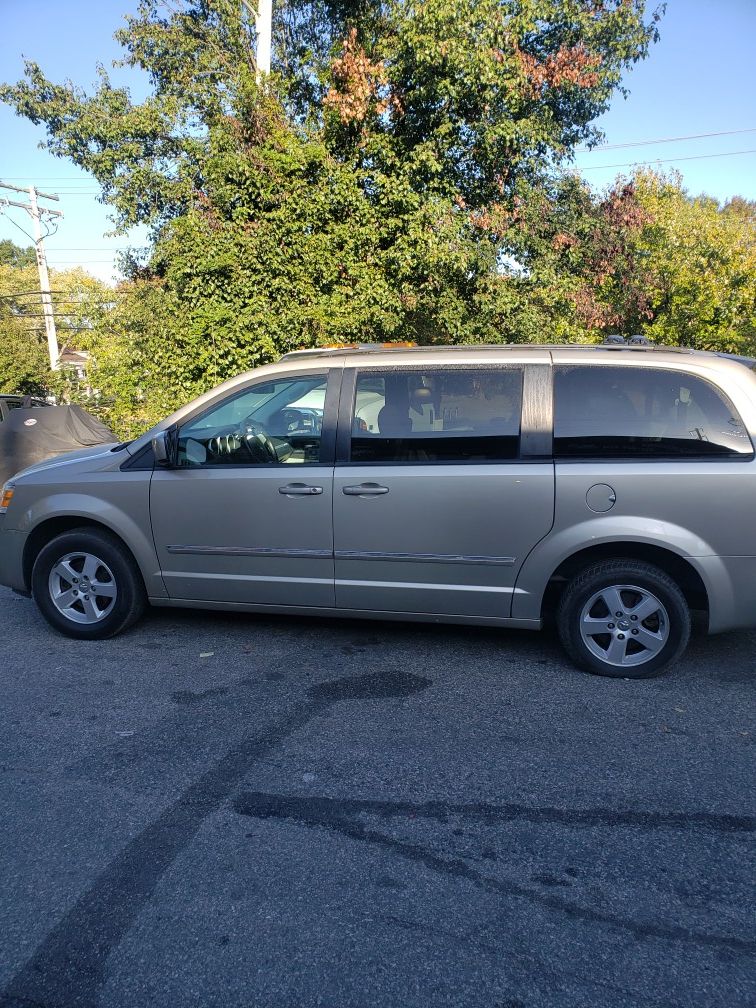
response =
{"points": [[459, 415]]}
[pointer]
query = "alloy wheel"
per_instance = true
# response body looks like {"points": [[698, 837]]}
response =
{"points": [[82, 588], [624, 625]]}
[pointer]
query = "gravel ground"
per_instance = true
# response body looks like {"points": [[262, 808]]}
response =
{"points": [[218, 811]]}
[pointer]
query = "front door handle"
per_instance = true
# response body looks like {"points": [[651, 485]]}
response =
{"points": [[365, 490], [300, 490]]}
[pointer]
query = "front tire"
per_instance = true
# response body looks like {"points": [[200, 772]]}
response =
{"points": [[87, 585], [623, 618]]}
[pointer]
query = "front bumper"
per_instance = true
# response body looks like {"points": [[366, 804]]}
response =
{"points": [[12, 559]]}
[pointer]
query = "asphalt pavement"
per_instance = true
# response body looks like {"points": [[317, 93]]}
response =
{"points": [[222, 811]]}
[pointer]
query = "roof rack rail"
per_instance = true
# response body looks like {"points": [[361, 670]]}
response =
{"points": [[348, 347], [635, 340]]}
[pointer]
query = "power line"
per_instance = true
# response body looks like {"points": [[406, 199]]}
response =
{"points": [[80, 301], [644, 143], [36, 293], [91, 248], [692, 157], [36, 213], [48, 178], [81, 185], [18, 226], [68, 328]]}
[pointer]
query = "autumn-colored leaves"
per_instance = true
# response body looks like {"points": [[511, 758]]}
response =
{"points": [[612, 256], [359, 84], [568, 65]]}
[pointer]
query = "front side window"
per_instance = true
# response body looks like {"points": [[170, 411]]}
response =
{"points": [[632, 412], [437, 415], [273, 422]]}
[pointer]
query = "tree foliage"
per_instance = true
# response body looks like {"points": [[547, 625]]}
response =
{"points": [[701, 261], [23, 358], [18, 258], [80, 303], [470, 97], [457, 97]]}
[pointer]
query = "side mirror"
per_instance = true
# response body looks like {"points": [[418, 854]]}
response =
{"points": [[160, 449]]}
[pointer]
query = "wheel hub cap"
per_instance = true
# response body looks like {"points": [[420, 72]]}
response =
{"points": [[624, 625], [82, 588]]}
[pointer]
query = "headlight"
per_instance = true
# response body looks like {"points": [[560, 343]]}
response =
{"points": [[8, 491]]}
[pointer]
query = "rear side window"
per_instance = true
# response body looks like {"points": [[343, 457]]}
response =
{"points": [[435, 415], [631, 412]]}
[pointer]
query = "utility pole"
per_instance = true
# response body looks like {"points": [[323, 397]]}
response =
{"points": [[264, 35], [34, 211], [262, 12]]}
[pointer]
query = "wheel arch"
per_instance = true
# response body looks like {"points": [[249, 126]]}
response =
{"points": [[677, 567], [48, 529]]}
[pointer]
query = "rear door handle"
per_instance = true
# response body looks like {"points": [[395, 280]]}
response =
{"points": [[300, 490], [365, 490]]}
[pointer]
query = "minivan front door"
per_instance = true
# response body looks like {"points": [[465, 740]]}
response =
{"points": [[246, 516], [435, 505]]}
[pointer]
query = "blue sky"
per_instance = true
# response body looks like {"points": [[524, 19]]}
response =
{"points": [[698, 79]]}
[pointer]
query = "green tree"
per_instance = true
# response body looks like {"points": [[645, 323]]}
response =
{"points": [[376, 186], [23, 358], [80, 302], [644, 257], [18, 258], [462, 98], [701, 259]]}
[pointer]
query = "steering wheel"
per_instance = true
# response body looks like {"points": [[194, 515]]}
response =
{"points": [[252, 437]]}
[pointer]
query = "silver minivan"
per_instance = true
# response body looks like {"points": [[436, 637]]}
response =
{"points": [[611, 487]]}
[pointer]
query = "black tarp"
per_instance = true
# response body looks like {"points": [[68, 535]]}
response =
{"points": [[28, 436]]}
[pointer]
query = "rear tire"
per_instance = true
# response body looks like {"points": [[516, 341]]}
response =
{"points": [[87, 585], [623, 618]]}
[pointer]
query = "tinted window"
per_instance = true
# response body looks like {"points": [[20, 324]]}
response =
{"points": [[437, 415], [269, 423], [644, 413]]}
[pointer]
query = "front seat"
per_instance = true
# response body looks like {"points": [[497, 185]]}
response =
{"points": [[394, 422]]}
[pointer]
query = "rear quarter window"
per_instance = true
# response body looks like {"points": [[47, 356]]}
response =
{"points": [[631, 412]]}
